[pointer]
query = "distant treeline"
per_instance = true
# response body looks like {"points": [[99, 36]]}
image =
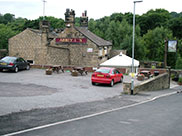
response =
{"points": [[152, 30]]}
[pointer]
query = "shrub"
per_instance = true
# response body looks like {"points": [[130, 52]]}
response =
{"points": [[179, 63]]}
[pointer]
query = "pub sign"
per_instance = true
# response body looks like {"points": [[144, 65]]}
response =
{"points": [[71, 40]]}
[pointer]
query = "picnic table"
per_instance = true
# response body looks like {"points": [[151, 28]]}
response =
{"points": [[145, 73], [80, 70], [57, 68]]}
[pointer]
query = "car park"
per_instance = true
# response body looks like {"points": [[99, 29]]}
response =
{"points": [[13, 64], [106, 75]]}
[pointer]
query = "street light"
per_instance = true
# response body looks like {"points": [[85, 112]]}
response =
{"points": [[133, 47], [44, 9]]}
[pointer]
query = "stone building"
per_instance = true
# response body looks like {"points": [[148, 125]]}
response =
{"points": [[74, 46]]}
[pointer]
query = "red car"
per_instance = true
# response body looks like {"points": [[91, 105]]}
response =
{"points": [[106, 75]]}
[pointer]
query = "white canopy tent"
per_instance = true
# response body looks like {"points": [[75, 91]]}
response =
{"points": [[121, 61]]}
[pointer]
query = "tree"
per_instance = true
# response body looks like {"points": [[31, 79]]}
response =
{"points": [[18, 24], [6, 18], [129, 17], [9, 17], [154, 42], [114, 35], [92, 25], [54, 22], [116, 17], [178, 62], [140, 49], [153, 19], [175, 25], [5, 34]]}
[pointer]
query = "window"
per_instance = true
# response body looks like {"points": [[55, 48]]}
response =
{"points": [[105, 50], [117, 72], [100, 52], [103, 70], [30, 61]]}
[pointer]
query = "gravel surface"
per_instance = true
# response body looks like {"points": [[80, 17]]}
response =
{"points": [[34, 89]]}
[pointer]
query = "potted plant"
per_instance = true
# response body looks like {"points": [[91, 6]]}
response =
{"points": [[180, 81], [49, 71]]}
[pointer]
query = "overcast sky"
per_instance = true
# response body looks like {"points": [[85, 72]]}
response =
{"points": [[32, 9]]}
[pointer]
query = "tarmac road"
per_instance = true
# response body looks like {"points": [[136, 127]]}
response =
{"points": [[156, 117]]}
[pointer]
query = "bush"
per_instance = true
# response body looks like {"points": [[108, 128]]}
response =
{"points": [[180, 80], [179, 63]]}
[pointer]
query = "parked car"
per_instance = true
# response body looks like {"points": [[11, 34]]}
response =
{"points": [[14, 64], [106, 75]]}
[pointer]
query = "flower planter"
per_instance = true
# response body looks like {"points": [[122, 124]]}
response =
{"points": [[74, 73], [48, 71]]}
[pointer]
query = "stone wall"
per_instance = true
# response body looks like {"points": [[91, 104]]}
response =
{"points": [[78, 54], [156, 83], [33, 45], [57, 56], [29, 45], [153, 84]]}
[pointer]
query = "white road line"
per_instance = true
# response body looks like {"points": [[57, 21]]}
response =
{"points": [[125, 122], [88, 116]]}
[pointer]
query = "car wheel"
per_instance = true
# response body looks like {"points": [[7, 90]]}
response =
{"points": [[16, 69], [112, 83], [93, 83], [28, 67]]}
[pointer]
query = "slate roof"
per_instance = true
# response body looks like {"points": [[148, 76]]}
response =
{"points": [[94, 38], [51, 34], [35, 30]]}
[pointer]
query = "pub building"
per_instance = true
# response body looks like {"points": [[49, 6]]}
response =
{"points": [[73, 46]]}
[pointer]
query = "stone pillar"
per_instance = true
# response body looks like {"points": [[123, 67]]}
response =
{"points": [[127, 87]]}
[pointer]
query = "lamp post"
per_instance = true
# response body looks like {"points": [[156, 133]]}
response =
{"points": [[44, 9], [133, 47]]}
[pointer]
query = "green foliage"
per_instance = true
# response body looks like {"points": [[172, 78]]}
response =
{"points": [[5, 33], [179, 62], [154, 42], [175, 25], [180, 80], [153, 19], [54, 22], [18, 25], [6, 18]]}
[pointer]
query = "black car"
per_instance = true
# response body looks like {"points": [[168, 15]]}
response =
{"points": [[14, 64]]}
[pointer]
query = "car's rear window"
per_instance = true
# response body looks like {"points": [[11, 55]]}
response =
{"points": [[103, 70], [9, 59]]}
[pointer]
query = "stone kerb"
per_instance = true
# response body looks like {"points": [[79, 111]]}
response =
{"points": [[153, 84]]}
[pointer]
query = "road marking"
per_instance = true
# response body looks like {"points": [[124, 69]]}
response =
{"points": [[88, 116], [125, 122]]}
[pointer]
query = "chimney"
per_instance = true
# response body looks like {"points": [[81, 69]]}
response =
{"points": [[69, 18], [84, 20], [44, 26]]}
